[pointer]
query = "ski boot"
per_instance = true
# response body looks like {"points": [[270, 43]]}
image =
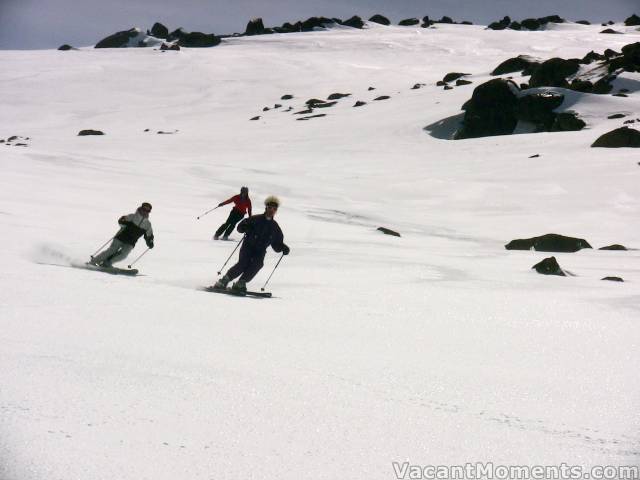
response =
{"points": [[240, 287], [222, 283], [216, 237], [225, 237]]}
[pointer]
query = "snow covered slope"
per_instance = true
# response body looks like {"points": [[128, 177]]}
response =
{"points": [[439, 347]]}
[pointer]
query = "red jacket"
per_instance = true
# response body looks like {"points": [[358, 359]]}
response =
{"points": [[240, 204]]}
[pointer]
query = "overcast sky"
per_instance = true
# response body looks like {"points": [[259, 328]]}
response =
{"points": [[28, 24]]}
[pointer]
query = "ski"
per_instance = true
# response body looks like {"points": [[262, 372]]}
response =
{"points": [[112, 270], [229, 291]]}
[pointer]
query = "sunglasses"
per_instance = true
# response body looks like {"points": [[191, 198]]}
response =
{"points": [[272, 205]]}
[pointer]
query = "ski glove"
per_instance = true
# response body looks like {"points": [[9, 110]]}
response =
{"points": [[150, 243], [285, 249]]}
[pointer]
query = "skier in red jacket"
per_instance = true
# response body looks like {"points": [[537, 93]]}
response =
{"points": [[242, 204]]}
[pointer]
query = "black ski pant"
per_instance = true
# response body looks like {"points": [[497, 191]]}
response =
{"points": [[249, 264], [227, 227]]}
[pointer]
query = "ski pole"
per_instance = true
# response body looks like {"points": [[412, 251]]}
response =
{"points": [[274, 269], [105, 244], [234, 251], [139, 257], [208, 211]]}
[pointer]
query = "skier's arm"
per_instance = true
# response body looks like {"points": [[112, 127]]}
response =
{"points": [[226, 202], [245, 225], [278, 244], [249, 210], [125, 220], [148, 237]]}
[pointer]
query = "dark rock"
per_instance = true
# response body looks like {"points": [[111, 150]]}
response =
{"points": [[610, 30], [277, 105], [381, 19], [609, 53], [370, 88], [632, 21], [531, 23], [537, 108], [199, 40], [613, 279], [255, 118], [323, 105], [631, 53], [382, 97], [584, 86], [450, 77], [312, 102], [567, 122], [500, 25], [359, 103], [551, 19], [266, 109], [426, 21], [408, 22], [159, 30], [286, 97], [515, 26], [161, 132], [592, 57], [619, 138], [83, 133], [448, 87], [355, 22], [466, 22], [288, 109], [616, 116], [312, 116], [553, 72], [417, 86], [603, 86], [549, 266], [65, 47], [627, 122], [516, 64], [304, 112], [551, 242], [615, 246], [445, 19], [440, 83], [15, 137], [387, 231], [490, 111], [172, 46], [584, 22], [146, 130], [255, 26], [312, 23], [338, 96], [461, 82], [118, 39], [537, 155]]}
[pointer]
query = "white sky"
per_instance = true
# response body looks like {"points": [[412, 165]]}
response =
{"points": [[26, 24]]}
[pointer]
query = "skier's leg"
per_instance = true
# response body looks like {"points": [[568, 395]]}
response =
{"points": [[224, 226], [254, 266], [121, 255], [112, 250], [239, 267], [232, 221]]}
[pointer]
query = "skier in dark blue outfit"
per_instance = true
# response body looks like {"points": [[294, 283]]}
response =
{"points": [[260, 231]]}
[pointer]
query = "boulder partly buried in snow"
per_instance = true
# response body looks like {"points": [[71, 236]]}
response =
{"points": [[549, 266], [619, 138], [615, 246], [388, 231], [490, 111], [119, 39], [551, 242], [84, 133]]}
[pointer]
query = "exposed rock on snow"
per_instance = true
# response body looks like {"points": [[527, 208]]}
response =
{"points": [[83, 133], [65, 47], [408, 22], [158, 30], [119, 39], [382, 97], [551, 242], [613, 279], [615, 246], [516, 64], [632, 21], [254, 27], [355, 22], [450, 77], [286, 97], [388, 231], [338, 96], [554, 72], [381, 19], [619, 138], [549, 266], [490, 111], [359, 103]]}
